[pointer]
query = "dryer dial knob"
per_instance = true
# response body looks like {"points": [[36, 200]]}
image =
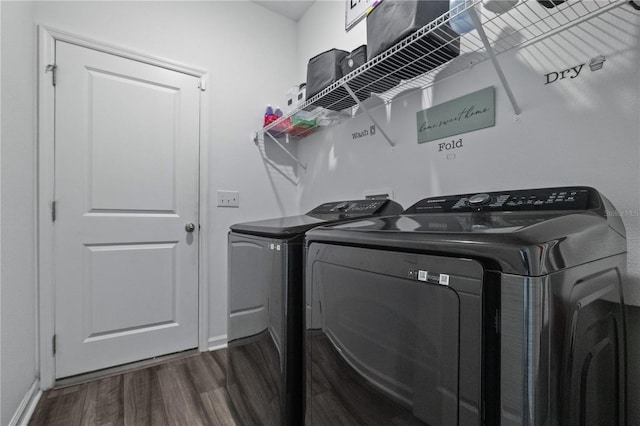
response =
{"points": [[479, 199]]}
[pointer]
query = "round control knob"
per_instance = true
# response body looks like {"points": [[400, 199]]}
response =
{"points": [[479, 199], [342, 206]]}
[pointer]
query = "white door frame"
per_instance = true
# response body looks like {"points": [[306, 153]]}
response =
{"points": [[46, 125]]}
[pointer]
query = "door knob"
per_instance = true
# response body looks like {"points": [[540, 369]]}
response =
{"points": [[190, 227]]}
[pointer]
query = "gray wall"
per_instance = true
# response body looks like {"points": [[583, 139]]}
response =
{"points": [[230, 40], [18, 310]]}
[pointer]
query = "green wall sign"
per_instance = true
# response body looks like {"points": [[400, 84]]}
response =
{"points": [[470, 112]]}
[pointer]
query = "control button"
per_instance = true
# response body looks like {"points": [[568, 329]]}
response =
{"points": [[341, 206], [444, 279], [479, 199]]}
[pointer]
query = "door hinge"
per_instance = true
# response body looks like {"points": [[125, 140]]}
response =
{"points": [[54, 69], [53, 343], [53, 211], [203, 84]]}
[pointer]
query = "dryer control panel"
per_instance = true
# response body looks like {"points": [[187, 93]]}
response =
{"points": [[561, 198]]}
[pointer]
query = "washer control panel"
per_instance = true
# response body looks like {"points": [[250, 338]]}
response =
{"points": [[562, 198], [479, 199], [355, 206]]}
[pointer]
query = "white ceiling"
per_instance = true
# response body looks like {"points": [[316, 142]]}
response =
{"points": [[292, 9]]}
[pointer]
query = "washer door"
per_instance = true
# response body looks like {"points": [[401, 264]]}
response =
{"points": [[393, 338]]}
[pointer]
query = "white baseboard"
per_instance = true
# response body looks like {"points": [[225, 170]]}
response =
{"points": [[27, 405], [217, 342]]}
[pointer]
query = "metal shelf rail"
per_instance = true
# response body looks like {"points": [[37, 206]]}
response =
{"points": [[417, 62]]}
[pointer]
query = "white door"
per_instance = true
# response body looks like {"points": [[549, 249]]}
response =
{"points": [[126, 186]]}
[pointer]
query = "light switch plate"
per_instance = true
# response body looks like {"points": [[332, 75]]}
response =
{"points": [[228, 198]]}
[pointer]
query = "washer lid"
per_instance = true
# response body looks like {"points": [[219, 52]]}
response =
{"points": [[462, 223], [324, 214], [524, 242], [283, 226]]}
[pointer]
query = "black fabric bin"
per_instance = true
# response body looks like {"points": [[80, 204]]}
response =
{"points": [[392, 21], [354, 60], [327, 68], [322, 74], [373, 80], [324, 70]]}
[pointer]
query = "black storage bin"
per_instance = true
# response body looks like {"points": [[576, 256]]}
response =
{"points": [[391, 21], [324, 70], [354, 60], [550, 3], [373, 80]]}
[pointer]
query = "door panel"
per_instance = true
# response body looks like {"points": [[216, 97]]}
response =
{"points": [[115, 292], [126, 271], [129, 102]]}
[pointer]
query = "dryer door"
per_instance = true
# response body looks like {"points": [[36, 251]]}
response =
{"points": [[393, 338], [254, 329]]}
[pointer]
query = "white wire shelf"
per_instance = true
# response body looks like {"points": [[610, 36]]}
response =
{"points": [[434, 52]]}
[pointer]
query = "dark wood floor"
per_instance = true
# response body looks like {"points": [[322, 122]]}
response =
{"points": [[187, 391], [191, 391]]}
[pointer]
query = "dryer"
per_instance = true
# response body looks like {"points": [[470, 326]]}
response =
{"points": [[500, 308], [265, 310]]}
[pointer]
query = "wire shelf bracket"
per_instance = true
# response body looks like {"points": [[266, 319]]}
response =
{"points": [[494, 60], [366, 111], [293, 157]]}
